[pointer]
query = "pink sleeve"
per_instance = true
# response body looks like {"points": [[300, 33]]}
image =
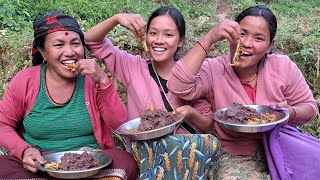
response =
{"points": [[188, 86], [120, 63], [11, 115], [203, 107], [112, 109], [298, 91]]}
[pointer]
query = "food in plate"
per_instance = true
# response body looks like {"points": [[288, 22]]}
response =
{"points": [[72, 67], [155, 118], [74, 162], [235, 59], [239, 114], [52, 166]]}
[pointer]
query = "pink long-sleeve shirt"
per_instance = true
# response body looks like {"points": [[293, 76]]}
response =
{"points": [[132, 71], [279, 80], [106, 110]]}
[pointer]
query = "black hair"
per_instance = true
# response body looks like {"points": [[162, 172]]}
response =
{"points": [[177, 17], [266, 13], [37, 57], [174, 14]]}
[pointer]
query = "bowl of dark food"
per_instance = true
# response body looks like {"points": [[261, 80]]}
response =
{"points": [[153, 123], [250, 118], [74, 164]]}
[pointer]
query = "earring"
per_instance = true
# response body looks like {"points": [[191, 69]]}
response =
{"points": [[44, 61]]}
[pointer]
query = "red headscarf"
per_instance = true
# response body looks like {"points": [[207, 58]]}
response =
{"points": [[49, 23]]}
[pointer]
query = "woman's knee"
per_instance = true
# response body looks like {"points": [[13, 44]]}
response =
{"points": [[123, 160], [13, 168]]}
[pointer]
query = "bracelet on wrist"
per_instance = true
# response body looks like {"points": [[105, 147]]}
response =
{"points": [[204, 48], [293, 116], [33, 146]]}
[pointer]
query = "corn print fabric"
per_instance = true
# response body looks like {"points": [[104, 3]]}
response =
{"points": [[177, 156]]}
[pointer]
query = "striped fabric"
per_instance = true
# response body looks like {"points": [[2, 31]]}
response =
{"points": [[59, 127]]}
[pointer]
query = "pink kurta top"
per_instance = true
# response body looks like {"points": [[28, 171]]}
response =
{"points": [[279, 80], [132, 71]]}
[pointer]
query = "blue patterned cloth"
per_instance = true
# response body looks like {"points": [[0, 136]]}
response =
{"points": [[178, 156]]}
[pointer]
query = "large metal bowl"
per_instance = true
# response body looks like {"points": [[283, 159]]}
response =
{"points": [[281, 114], [129, 129], [55, 157]]}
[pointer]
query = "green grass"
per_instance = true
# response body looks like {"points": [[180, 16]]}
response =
{"points": [[298, 32]]}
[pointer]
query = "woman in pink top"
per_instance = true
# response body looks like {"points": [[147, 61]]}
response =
{"points": [[146, 87], [165, 36], [260, 78]]}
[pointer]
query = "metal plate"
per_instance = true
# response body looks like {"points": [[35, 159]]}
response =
{"points": [[282, 117], [55, 157], [128, 129]]}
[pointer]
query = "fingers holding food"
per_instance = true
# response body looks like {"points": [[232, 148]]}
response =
{"points": [[91, 67], [133, 22], [227, 29]]}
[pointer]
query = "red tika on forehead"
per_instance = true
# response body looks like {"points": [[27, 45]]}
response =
{"points": [[66, 33]]}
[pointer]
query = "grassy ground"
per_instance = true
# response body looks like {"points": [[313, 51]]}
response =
{"points": [[298, 30]]}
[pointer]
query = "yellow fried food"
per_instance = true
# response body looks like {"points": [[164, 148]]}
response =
{"points": [[52, 166], [253, 121], [144, 45], [235, 59], [72, 67], [265, 118], [97, 150]]}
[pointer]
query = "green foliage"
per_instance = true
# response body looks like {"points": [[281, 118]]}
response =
{"points": [[18, 14], [287, 8], [14, 53], [14, 14]]}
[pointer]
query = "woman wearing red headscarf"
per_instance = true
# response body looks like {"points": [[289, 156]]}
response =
{"points": [[64, 102]]}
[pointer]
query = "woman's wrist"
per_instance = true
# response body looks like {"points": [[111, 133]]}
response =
{"points": [[211, 36], [115, 18], [103, 84], [31, 146], [293, 114], [203, 47]]}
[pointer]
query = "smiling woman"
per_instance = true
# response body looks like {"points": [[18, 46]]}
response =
{"points": [[146, 80], [260, 78], [81, 106]]}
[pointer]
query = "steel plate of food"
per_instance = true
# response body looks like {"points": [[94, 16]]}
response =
{"points": [[250, 118], [74, 164], [153, 123]]}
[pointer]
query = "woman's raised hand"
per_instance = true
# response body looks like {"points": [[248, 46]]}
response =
{"points": [[91, 67], [226, 29], [133, 22]]}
